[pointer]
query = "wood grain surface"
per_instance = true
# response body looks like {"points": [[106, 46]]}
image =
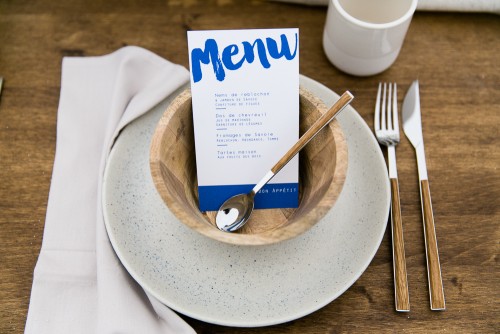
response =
{"points": [[436, 292], [401, 294], [454, 56]]}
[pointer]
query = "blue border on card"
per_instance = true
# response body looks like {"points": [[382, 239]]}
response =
{"points": [[271, 196]]}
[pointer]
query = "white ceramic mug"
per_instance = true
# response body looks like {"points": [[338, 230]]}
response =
{"points": [[363, 37]]}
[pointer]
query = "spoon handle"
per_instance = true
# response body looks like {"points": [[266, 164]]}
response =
{"points": [[320, 123]]}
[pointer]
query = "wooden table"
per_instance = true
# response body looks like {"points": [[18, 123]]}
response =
{"points": [[454, 56]]}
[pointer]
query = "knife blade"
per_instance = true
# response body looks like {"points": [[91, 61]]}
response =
{"points": [[412, 127]]}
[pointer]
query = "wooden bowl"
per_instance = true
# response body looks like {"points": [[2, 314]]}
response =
{"points": [[322, 170]]}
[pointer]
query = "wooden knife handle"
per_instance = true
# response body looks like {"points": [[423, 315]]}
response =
{"points": [[402, 299], [343, 101], [436, 291]]}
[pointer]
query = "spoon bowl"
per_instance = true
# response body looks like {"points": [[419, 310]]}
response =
{"points": [[235, 212]]}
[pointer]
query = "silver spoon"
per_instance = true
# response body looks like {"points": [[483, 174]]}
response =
{"points": [[236, 211]]}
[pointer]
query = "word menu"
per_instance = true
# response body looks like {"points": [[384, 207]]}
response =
{"points": [[245, 96]]}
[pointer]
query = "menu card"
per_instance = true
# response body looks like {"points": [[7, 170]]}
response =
{"points": [[245, 95]]}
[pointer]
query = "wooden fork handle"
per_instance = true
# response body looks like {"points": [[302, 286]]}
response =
{"points": [[436, 291], [402, 299], [320, 123]]}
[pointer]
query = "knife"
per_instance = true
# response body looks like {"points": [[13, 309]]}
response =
{"points": [[412, 127]]}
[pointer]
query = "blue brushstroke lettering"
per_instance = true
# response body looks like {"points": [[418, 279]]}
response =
{"points": [[261, 50], [229, 55], [285, 48], [211, 54]]}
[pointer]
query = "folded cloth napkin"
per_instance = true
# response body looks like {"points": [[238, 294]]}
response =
{"points": [[79, 285], [486, 6]]}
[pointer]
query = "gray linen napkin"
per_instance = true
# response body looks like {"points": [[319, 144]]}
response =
{"points": [[79, 285]]}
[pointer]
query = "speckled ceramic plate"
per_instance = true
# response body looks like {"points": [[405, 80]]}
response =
{"points": [[236, 285]]}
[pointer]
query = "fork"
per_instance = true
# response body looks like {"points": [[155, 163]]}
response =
{"points": [[387, 133]]}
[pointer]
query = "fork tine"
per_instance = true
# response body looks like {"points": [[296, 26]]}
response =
{"points": [[377, 108], [383, 123], [395, 109], [389, 107]]}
